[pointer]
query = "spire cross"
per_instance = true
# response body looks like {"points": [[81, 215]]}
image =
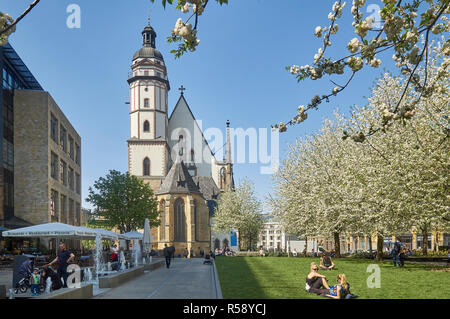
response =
{"points": [[182, 89]]}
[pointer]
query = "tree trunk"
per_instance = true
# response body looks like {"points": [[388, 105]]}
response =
{"points": [[380, 242], [306, 246], [370, 245], [337, 245], [425, 241]]}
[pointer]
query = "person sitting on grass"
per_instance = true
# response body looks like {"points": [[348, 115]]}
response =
{"points": [[326, 263], [261, 252], [341, 290], [315, 282]]}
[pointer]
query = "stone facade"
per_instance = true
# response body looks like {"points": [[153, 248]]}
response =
{"points": [[44, 168], [198, 230]]}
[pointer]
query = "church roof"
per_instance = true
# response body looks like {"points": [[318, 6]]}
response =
{"points": [[183, 99], [178, 181], [207, 187], [148, 52]]}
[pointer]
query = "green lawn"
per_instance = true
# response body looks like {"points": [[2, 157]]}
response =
{"points": [[283, 278]]}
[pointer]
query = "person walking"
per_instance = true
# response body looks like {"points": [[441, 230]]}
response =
{"points": [[191, 253], [396, 253], [63, 259], [186, 253], [167, 255]]}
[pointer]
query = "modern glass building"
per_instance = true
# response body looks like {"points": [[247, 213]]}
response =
{"points": [[14, 75]]}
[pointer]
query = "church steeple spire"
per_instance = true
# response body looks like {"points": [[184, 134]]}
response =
{"points": [[149, 36], [228, 145]]}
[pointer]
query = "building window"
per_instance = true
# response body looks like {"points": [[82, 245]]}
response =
{"points": [[71, 212], [78, 183], [147, 103], [63, 138], [8, 193], [54, 205], [54, 128], [8, 155], [146, 73], [217, 244], [146, 167], [71, 147], [63, 209], [54, 166], [179, 221], [192, 156], [196, 221], [77, 221], [163, 220], [77, 154], [225, 243], [71, 179], [146, 126], [63, 171]]}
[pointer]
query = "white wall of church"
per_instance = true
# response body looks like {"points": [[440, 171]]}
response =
{"points": [[160, 125], [134, 132], [182, 122], [155, 152]]}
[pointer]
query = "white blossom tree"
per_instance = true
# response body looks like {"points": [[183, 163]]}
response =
{"points": [[241, 210], [391, 183]]}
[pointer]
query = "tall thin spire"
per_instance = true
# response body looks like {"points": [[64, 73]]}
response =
{"points": [[228, 146]]}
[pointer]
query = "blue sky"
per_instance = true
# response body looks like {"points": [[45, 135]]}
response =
{"points": [[237, 73]]}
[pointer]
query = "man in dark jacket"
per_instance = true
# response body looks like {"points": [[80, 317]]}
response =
{"points": [[167, 254], [63, 258]]}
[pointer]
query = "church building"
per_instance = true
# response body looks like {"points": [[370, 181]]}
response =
{"points": [[171, 154]]}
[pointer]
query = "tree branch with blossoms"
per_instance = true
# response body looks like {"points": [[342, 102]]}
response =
{"points": [[8, 24], [184, 33], [401, 29]]}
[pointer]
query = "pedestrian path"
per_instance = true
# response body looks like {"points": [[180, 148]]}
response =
{"points": [[185, 279]]}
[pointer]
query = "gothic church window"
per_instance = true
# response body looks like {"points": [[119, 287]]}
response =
{"points": [[163, 219], [179, 221], [146, 168]]}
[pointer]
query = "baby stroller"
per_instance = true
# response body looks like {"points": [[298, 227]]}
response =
{"points": [[55, 277], [207, 260]]}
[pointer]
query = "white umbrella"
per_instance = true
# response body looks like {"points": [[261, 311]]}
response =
{"points": [[52, 230], [106, 234], [133, 235], [147, 241]]}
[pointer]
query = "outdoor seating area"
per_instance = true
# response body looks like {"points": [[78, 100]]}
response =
{"points": [[95, 252]]}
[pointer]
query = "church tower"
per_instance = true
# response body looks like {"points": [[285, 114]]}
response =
{"points": [[226, 176], [148, 148]]}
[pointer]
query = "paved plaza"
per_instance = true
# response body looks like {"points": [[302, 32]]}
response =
{"points": [[186, 279]]}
